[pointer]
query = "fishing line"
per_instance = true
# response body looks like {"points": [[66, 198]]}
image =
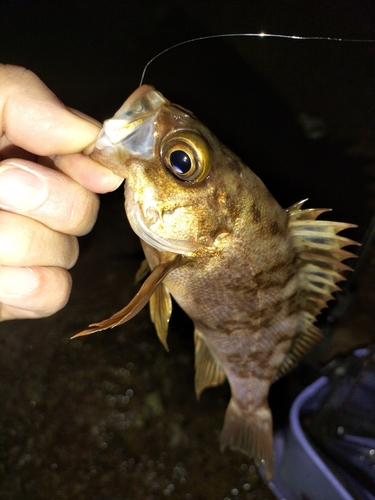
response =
{"points": [[254, 35]]}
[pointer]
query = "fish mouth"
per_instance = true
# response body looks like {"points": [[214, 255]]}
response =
{"points": [[132, 127]]}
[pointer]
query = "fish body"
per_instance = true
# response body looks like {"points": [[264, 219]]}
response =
{"points": [[251, 275]]}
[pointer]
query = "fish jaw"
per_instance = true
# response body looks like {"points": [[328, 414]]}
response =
{"points": [[130, 132]]}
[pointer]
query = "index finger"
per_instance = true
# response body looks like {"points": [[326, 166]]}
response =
{"points": [[35, 119]]}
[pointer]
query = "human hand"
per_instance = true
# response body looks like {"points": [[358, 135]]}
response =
{"points": [[42, 209]]}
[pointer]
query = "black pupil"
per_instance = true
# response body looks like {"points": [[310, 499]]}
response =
{"points": [[180, 162]]}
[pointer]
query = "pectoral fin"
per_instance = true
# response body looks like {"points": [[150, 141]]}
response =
{"points": [[139, 301], [208, 371]]}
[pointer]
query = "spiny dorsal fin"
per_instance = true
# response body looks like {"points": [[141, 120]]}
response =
{"points": [[320, 252], [208, 371], [160, 312], [139, 301]]}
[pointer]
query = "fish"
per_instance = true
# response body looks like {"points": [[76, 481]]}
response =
{"points": [[250, 274]]}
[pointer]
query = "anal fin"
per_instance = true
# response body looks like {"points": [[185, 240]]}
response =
{"points": [[251, 434], [208, 371]]}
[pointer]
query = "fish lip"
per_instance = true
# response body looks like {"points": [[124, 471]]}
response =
{"points": [[137, 94], [138, 109], [132, 128], [134, 96]]}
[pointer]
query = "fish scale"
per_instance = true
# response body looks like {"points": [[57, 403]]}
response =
{"points": [[251, 275]]}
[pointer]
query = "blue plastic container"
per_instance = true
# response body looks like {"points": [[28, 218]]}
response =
{"points": [[300, 473]]}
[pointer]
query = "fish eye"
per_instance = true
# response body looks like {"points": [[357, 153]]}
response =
{"points": [[180, 162], [187, 155]]}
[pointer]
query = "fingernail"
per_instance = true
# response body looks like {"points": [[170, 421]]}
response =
{"points": [[21, 188], [17, 281], [113, 182]]}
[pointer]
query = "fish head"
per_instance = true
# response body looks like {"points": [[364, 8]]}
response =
{"points": [[183, 187]]}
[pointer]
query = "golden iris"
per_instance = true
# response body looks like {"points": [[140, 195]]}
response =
{"points": [[187, 155]]}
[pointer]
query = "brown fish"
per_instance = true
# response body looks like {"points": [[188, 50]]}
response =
{"points": [[251, 275]]}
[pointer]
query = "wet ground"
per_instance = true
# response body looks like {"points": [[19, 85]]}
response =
{"points": [[113, 416]]}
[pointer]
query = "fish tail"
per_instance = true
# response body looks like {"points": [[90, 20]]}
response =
{"points": [[251, 434]]}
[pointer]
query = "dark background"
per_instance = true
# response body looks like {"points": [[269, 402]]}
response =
{"points": [[113, 416]]}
